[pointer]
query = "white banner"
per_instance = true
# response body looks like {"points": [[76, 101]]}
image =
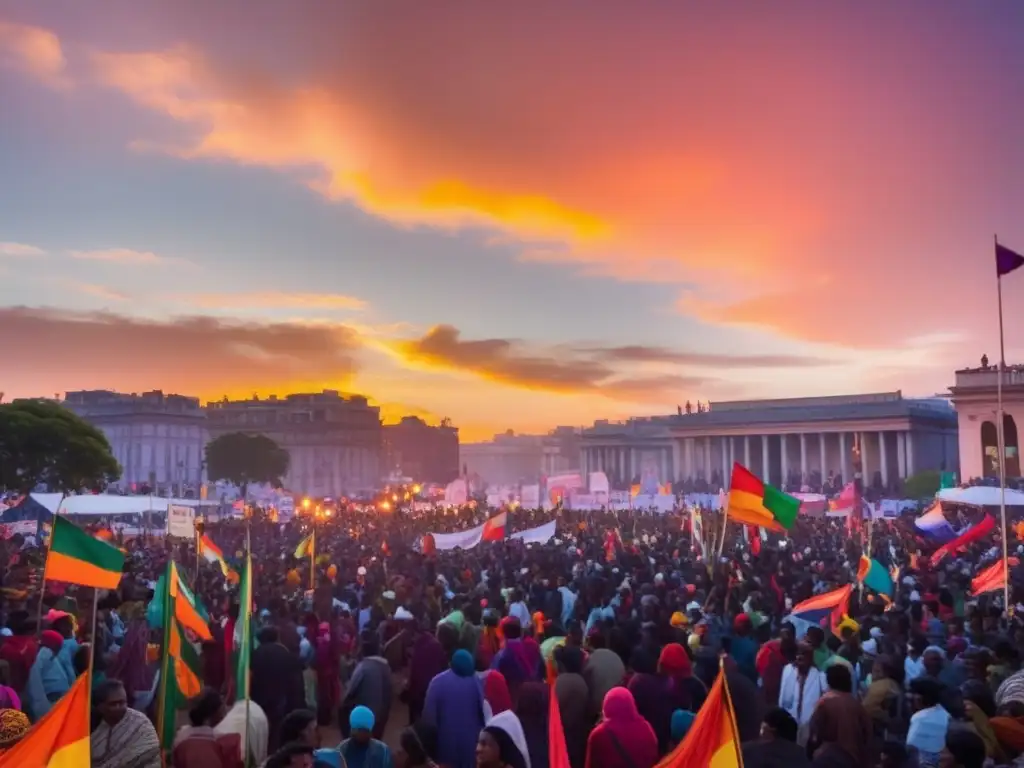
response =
{"points": [[181, 521], [539, 535], [472, 537]]}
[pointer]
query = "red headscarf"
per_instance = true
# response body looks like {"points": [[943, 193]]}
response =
{"points": [[496, 692], [674, 661]]}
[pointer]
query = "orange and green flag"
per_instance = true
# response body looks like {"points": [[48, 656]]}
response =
{"points": [[754, 502], [61, 738], [180, 667], [713, 739], [75, 557]]}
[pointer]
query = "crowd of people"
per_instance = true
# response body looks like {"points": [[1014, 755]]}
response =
{"points": [[449, 658]]}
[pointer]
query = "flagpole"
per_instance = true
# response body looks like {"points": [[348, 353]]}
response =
{"points": [[92, 632], [312, 557], [1001, 440], [246, 633]]}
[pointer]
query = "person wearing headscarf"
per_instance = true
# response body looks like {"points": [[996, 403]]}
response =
{"points": [[930, 721], [532, 709], [257, 732], [132, 667], [125, 738], [603, 671], [327, 653], [455, 707], [502, 743], [623, 739], [13, 727], [743, 648], [682, 721], [979, 708], [20, 650], [674, 663], [1008, 726], [48, 679], [361, 750], [496, 692]]}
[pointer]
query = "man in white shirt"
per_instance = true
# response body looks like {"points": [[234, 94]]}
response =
{"points": [[802, 685]]}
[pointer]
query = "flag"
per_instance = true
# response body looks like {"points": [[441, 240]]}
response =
{"points": [[872, 574], [825, 610], [558, 753], [76, 557], [244, 631], [933, 523], [213, 554], [992, 578], [494, 529], [713, 739], [975, 533], [305, 548], [180, 667], [756, 503], [172, 592], [61, 738], [1007, 260]]}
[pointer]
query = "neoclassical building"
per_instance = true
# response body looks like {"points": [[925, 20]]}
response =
{"points": [[877, 437], [975, 396]]}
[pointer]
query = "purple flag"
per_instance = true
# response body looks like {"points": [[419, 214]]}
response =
{"points": [[1007, 260]]}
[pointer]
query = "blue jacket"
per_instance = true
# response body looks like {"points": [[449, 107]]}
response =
{"points": [[48, 680]]}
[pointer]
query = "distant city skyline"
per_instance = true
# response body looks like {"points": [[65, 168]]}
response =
{"points": [[514, 215]]}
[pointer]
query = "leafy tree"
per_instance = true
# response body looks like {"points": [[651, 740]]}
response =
{"points": [[922, 484], [43, 443], [243, 459]]}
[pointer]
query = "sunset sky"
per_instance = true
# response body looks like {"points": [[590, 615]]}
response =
{"points": [[516, 214]]}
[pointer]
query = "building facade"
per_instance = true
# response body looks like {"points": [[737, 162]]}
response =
{"points": [[426, 453], [975, 395], [334, 442], [157, 439], [510, 459], [877, 438]]}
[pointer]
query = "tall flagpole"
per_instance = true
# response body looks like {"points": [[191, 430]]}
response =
{"points": [[312, 557], [1001, 440], [246, 634]]}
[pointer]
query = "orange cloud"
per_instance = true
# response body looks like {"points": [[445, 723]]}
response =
{"points": [[610, 372], [33, 50], [125, 256], [20, 250], [200, 356]]}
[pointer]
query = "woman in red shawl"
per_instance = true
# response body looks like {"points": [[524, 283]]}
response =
{"points": [[496, 692], [623, 739], [674, 663]]}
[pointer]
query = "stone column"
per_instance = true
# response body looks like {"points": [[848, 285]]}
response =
{"points": [[883, 462], [821, 456], [676, 461], [910, 452], [866, 474], [901, 455], [783, 445], [764, 458], [746, 451], [803, 457], [844, 466], [632, 465], [726, 466], [707, 459]]}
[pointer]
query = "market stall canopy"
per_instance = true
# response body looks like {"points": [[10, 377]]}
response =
{"points": [[980, 496], [108, 504]]}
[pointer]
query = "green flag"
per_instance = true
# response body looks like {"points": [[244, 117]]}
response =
{"points": [[947, 480], [243, 630], [180, 668]]}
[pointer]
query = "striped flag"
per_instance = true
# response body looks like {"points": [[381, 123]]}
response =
{"points": [[825, 610], [992, 578], [243, 630], [713, 740], [180, 667], [174, 598], [75, 557], [213, 554], [61, 738]]}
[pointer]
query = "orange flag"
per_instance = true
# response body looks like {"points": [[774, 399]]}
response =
{"points": [[713, 740], [558, 754]]}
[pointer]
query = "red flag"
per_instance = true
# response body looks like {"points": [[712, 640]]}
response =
{"points": [[973, 534], [558, 754], [754, 535], [494, 529], [992, 578]]}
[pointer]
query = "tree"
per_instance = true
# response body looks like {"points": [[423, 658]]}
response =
{"points": [[922, 484], [243, 459], [43, 443]]}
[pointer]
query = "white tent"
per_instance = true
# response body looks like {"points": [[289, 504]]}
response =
{"points": [[105, 504], [980, 496]]}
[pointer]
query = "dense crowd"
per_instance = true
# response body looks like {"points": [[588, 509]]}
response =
{"points": [[619, 617]]}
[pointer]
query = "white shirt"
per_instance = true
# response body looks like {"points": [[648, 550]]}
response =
{"points": [[789, 693], [521, 612]]}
